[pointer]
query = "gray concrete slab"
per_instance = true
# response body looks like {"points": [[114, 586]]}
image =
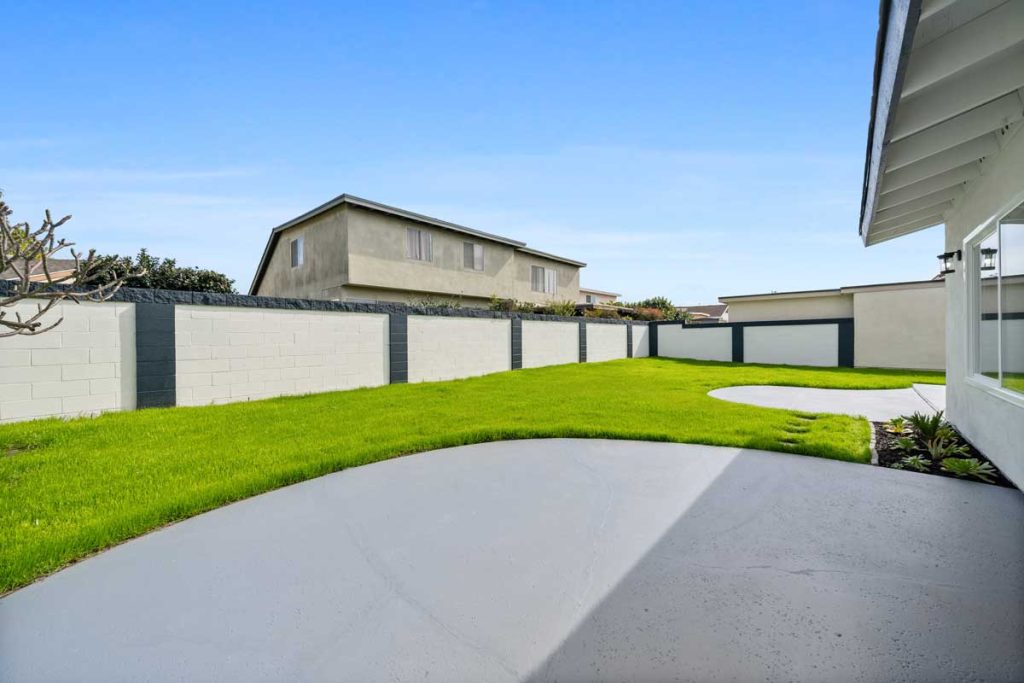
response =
{"points": [[933, 394], [553, 560], [874, 404]]}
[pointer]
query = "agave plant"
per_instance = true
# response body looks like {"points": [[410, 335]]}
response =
{"points": [[897, 425], [905, 443], [939, 448], [927, 426], [916, 462], [969, 467]]}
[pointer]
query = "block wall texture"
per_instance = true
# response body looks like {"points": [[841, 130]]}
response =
{"points": [[550, 343], [641, 341], [240, 354], [449, 348], [792, 345], [605, 342], [698, 343], [84, 366]]}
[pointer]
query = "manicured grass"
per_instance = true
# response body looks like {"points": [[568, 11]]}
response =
{"points": [[68, 489]]}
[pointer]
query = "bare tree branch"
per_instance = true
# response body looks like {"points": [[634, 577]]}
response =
{"points": [[26, 254]]}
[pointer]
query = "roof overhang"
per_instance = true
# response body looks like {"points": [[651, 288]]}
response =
{"points": [[948, 93]]}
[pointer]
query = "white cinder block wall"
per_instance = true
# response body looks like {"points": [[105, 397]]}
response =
{"points": [[83, 367], [641, 341], [240, 354], [449, 348], [550, 343], [605, 342], [792, 345], [698, 343]]}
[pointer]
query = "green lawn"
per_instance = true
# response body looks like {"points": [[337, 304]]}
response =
{"points": [[68, 489]]}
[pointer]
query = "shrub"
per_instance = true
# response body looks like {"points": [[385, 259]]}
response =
{"points": [[927, 426], [436, 302], [601, 313], [897, 425], [969, 467], [648, 314], [561, 308]]}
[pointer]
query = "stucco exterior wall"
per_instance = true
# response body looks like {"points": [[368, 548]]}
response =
{"points": [[792, 345], [374, 294], [84, 366], [550, 343], [225, 355], [605, 342], [641, 341], [568, 279], [792, 308], [900, 328], [449, 348], [698, 343], [994, 423], [325, 266], [377, 258]]}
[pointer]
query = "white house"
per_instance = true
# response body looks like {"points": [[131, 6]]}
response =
{"points": [[945, 148]]}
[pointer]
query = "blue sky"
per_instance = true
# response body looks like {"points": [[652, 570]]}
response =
{"points": [[694, 150]]}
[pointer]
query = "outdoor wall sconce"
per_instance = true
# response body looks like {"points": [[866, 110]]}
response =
{"points": [[948, 265], [988, 259]]}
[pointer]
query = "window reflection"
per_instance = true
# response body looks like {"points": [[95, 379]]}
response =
{"points": [[1011, 320]]}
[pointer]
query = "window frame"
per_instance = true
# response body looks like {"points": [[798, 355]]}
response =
{"points": [[472, 267], [297, 251], [972, 282], [422, 237], [544, 279]]}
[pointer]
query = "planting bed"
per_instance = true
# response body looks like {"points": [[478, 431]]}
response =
{"points": [[889, 454]]}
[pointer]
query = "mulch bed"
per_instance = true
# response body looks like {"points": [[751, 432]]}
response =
{"points": [[888, 453]]}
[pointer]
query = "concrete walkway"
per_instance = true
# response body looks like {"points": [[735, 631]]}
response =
{"points": [[553, 560], [877, 405]]}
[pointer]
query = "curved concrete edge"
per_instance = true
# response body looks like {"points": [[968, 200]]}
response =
{"points": [[877, 405], [541, 560]]}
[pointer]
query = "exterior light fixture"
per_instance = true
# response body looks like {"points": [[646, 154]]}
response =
{"points": [[948, 265], [988, 259]]}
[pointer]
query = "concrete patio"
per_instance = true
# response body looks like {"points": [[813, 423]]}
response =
{"points": [[878, 405], [553, 560]]}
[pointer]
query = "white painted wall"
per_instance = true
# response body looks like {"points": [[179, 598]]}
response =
{"points": [[605, 342], [792, 345], [550, 343], [993, 422], [241, 354], [900, 328], [698, 343], [641, 341], [84, 366], [449, 348], [792, 306]]}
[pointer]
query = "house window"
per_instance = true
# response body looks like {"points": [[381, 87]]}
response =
{"points": [[298, 249], [543, 279], [472, 256], [590, 298], [997, 275], [418, 246]]}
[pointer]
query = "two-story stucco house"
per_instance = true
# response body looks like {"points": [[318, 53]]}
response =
{"points": [[353, 249]]}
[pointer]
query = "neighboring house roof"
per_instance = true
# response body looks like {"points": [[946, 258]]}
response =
{"points": [[584, 290], [810, 293], [945, 99], [708, 310], [393, 211], [58, 267]]}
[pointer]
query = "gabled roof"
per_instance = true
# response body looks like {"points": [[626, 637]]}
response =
{"points": [[54, 265], [946, 98], [392, 211]]}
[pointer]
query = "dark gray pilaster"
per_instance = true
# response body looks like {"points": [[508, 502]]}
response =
{"points": [[398, 347], [737, 343], [155, 385], [846, 344], [652, 339], [629, 340], [583, 342], [517, 343]]}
